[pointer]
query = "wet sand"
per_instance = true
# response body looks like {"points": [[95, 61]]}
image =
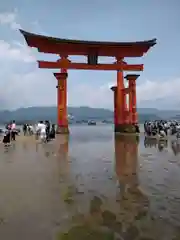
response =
{"points": [[89, 182]]}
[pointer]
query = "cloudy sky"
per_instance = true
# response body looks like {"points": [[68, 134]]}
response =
{"points": [[22, 84]]}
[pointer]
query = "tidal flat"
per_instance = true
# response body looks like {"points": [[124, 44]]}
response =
{"points": [[90, 185]]}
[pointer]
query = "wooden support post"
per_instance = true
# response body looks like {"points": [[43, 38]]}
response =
{"points": [[120, 97], [132, 98], [134, 104], [114, 89], [121, 126], [62, 120], [126, 109]]}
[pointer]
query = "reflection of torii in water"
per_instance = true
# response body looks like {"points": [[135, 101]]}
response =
{"points": [[63, 141], [131, 195], [62, 154], [126, 151]]}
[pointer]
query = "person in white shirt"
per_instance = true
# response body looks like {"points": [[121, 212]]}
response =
{"points": [[41, 129]]}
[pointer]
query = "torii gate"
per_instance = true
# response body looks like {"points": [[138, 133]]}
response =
{"points": [[125, 117]]}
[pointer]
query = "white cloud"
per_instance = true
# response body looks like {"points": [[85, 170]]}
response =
{"points": [[156, 89], [23, 84], [159, 94], [10, 19], [154, 93], [37, 87], [19, 89], [25, 89], [19, 52]]}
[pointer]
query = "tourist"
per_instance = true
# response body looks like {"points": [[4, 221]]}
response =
{"points": [[25, 129], [30, 130], [41, 130], [7, 137], [27, 125], [47, 129], [37, 131], [52, 132], [13, 130], [162, 133], [178, 132]]}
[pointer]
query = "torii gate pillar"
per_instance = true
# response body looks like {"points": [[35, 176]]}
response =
{"points": [[114, 89], [133, 116], [62, 120]]}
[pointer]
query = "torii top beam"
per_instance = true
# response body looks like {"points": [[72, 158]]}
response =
{"points": [[78, 47]]}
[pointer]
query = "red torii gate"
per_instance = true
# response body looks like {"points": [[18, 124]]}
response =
{"points": [[125, 117]]}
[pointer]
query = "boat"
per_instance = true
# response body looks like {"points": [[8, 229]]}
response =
{"points": [[106, 121], [91, 122]]}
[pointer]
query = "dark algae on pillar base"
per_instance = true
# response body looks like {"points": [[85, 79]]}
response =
{"points": [[125, 128]]}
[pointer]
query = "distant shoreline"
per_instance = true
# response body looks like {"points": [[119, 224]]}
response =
{"points": [[32, 114]]}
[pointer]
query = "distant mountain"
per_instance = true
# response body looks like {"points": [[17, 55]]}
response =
{"points": [[50, 113], [147, 117], [148, 111], [79, 113], [163, 114]]}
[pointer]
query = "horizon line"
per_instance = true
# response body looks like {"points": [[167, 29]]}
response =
{"points": [[110, 109]]}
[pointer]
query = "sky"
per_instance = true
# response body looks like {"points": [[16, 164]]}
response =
{"points": [[22, 84]]}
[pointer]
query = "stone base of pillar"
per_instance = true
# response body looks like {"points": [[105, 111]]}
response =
{"points": [[125, 129], [62, 130]]}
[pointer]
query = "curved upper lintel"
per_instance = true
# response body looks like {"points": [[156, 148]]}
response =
{"points": [[82, 46], [27, 35]]}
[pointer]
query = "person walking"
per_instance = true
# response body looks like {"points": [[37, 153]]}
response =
{"points": [[47, 130], [25, 129], [41, 128], [52, 132], [13, 131]]}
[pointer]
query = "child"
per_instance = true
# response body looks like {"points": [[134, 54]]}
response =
{"points": [[7, 138]]}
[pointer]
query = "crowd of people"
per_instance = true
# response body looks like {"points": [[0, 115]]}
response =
{"points": [[161, 128], [10, 133], [43, 130]]}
